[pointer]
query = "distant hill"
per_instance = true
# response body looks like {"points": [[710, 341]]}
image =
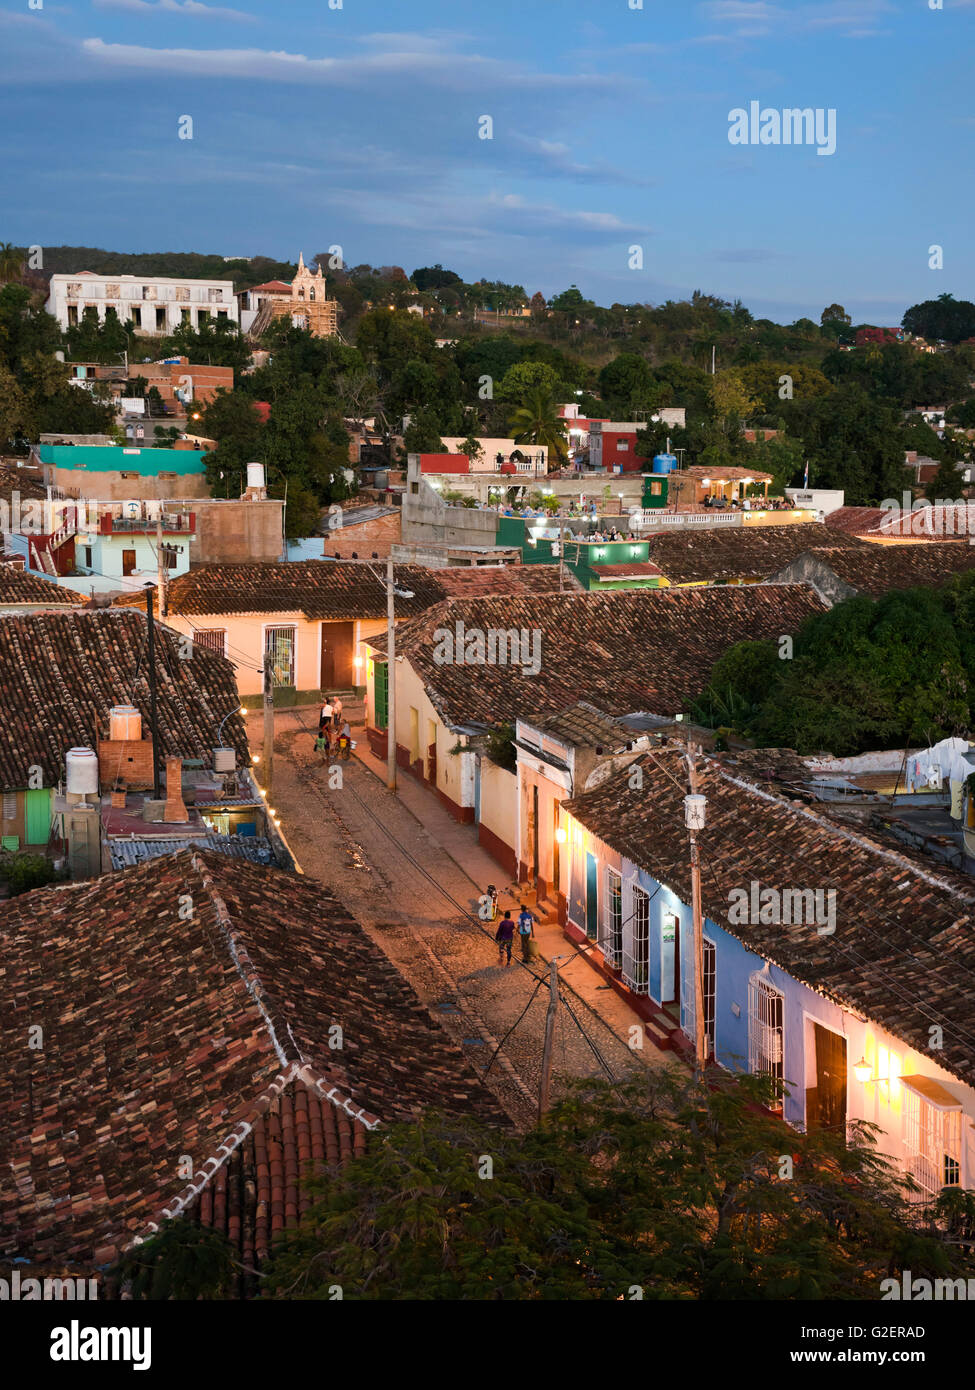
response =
{"points": [[68, 260]]}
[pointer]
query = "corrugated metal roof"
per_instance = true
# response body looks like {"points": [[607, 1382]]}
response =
{"points": [[126, 853]]}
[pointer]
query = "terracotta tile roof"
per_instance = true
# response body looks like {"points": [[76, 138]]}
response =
{"points": [[876, 569], [723, 473], [636, 650], [320, 589], [903, 952], [585, 726], [60, 674], [15, 480], [19, 586], [855, 521], [324, 589], [922, 524], [739, 552], [168, 1033], [461, 581]]}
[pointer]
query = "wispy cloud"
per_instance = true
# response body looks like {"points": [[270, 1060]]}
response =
{"points": [[192, 8], [761, 19]]}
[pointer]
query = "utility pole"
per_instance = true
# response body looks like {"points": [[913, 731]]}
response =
{"points": [[390, 678], [161, 566], [712, 359], [694, 813], [153, 713], [268, 723], [548, 1046]]}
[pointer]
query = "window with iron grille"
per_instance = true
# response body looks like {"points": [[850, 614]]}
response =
{"points": [[279, 644], [9, 806], [636, 959], [213, 637], [766, 1051], [932, 1134], [612, 942], [709, 979]]}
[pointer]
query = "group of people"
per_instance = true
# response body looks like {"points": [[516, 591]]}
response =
{"points": [[505, 935], [612, 535], [334, 731]]}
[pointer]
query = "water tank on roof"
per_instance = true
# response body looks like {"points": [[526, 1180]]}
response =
{"points": [[224, 760], [664, 463], [255, 475], [125, 724], [132, 510], [82, 771]]}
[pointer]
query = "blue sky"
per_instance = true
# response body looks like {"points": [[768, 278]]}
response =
{"points": [[358, 127]]}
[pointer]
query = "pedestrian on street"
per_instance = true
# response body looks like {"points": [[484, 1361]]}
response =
{"points": [[337, 712], [345, 741], [504, 937], [325, 714], [526, 931]]}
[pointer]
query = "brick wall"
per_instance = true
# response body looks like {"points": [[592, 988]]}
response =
{"points": [[365, 538], [128, 760]]}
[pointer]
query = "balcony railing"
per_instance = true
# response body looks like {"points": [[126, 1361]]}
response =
{"points": [[172, 524]]}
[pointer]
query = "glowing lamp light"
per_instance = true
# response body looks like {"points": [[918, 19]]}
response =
{"points": [[706, 482], [863, 1071], [357, 661], [561, 835], [243, 709], [255, 757]]}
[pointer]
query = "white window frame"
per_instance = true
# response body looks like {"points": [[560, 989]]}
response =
{"points": [[766, 1039], [612, 942], [639, 931], [712, 975], [281, 627], [932, 1134]]}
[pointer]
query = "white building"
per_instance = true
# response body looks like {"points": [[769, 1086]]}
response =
{"points": [[152, 305]]}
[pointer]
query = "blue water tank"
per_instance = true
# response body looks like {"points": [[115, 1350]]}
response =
{"points": [[664, 463]]}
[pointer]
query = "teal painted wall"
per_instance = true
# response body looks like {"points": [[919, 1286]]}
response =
{"points": [[110, 459]]}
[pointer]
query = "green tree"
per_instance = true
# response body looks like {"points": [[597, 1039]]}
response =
{"points": [[537, 421], [523, 378], [866, 675], [944, 318], [216, 343], [664, 1184], [11, 262], [182, 1261], [422, 434], [628, 383]]}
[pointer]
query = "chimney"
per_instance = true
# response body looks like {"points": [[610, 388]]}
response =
{"points": [[174, 812]]}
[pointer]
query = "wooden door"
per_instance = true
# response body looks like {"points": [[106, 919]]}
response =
{"points": [[337, 642], [128, 562], [826, 1101]]}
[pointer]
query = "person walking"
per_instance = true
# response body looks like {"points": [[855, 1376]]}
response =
{"points": [[526, 932], [345, 741], [337, 712], [504, 937], [325, 714]]}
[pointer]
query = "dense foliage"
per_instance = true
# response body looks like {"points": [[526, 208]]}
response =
{"points": [[866, 675], [658, 1190]]}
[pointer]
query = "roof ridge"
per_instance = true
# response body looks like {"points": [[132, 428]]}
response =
{"points": [[241, 958]]}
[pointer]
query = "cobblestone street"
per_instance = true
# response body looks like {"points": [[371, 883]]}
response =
{"points": [[413, 898]]}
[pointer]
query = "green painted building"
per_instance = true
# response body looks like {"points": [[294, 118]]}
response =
{"points": [[595, 564]]}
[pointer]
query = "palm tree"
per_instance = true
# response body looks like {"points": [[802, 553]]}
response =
{"points": [[537, 421], [11, 262]]}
